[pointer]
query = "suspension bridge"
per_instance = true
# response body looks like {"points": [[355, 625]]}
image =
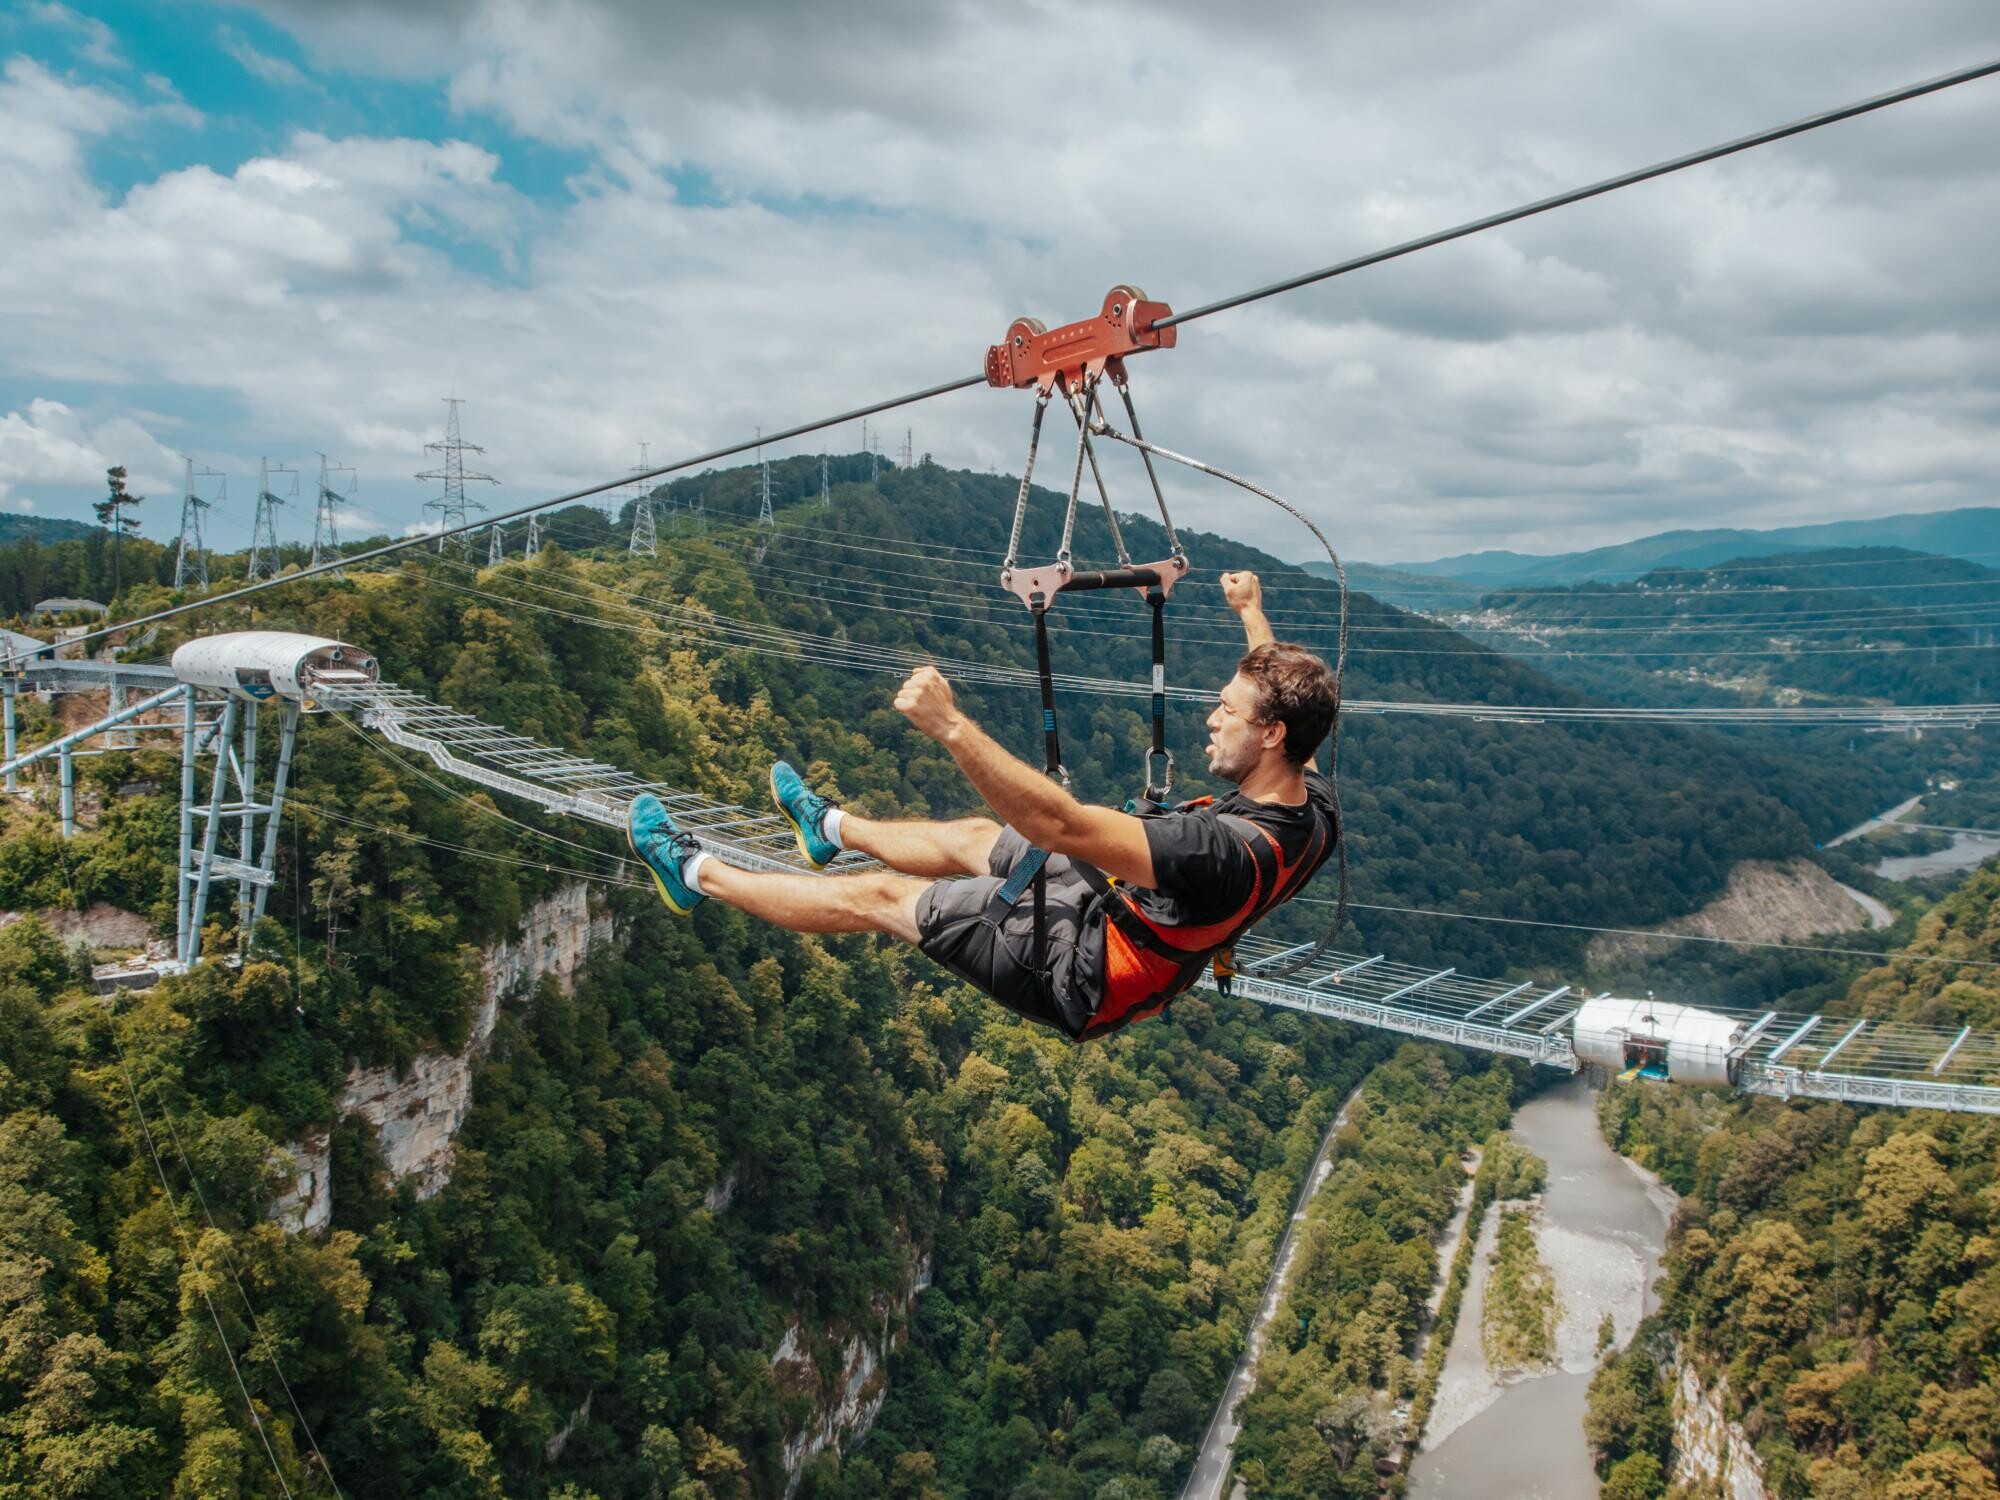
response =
{"points": [[218, 691]]}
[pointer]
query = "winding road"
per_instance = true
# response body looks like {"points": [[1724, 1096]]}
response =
{"points": [[1218, 1443], [1880, 820]]}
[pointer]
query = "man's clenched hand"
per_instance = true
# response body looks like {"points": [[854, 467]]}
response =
{"points": [[1243, 591], [925, 700]]}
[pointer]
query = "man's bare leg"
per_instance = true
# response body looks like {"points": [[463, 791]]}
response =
{"points": [[872, 902], [960, 847]]}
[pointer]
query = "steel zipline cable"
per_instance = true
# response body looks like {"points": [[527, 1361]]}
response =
{"points": [[1208, 309], [1594, 190]]}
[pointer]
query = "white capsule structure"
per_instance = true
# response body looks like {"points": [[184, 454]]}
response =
{"points": [[1645, 1038], [263, 664]]}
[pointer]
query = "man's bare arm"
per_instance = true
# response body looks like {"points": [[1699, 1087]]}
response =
{"points": [[1041, 811], [1246, 596]]}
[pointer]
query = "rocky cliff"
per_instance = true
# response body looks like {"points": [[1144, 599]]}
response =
{"points": [[416, 1114], [1708, 1447], [1764, 902], [845, 1407]]}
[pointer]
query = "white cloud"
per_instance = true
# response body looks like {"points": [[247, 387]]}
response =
{"points": [[272, 70], [1806, 330], [98, 43], [50, 445]]}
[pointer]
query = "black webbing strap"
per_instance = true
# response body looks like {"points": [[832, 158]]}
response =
{"points": [[1051, 765], [1051, 741], [1159, 764]]}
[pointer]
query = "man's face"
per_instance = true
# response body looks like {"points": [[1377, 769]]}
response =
{"points": [[1236, 734]]}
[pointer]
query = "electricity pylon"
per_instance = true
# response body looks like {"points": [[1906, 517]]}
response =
{"points": [[764, 515], [191, 553], [264, 561], [452, 505], [645, 540], [326, 520]]}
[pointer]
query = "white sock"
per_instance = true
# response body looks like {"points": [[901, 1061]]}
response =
{"points": [[691, 871], [829, 826]]}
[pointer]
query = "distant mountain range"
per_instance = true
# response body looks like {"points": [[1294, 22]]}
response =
{"points": [[1970, 533]]}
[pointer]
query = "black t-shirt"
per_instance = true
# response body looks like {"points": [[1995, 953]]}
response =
{"points": [[1202, 870]]}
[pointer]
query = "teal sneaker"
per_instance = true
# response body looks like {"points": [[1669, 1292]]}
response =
{"points": [[649, 827], [805, 810]]}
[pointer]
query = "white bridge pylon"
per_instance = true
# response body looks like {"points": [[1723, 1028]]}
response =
{"points": [[216, 688]]}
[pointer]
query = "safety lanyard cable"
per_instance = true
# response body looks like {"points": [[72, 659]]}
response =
{"points": [[1027, 478]]}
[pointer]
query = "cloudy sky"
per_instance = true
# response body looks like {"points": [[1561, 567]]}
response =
{"points": [[287, 228]]}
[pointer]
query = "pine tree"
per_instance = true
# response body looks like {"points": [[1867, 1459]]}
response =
{"points": [[110, 513]]}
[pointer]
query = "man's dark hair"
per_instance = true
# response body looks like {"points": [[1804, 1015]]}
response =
{"points": [[1296, 689]]}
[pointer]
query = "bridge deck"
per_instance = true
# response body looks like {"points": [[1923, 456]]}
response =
{"points": [[564, 783]]}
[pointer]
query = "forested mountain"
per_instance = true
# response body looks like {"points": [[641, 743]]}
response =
{"points": [[1417, 592], [1840, 1267], [45, 529], [1972, 532], [1096, 1222], [1855, 626]]}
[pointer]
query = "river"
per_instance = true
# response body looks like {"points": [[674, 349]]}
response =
{"points": [[1602, 1230], [1965, 851]]}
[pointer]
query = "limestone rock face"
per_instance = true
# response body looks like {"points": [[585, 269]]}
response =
{"points": [[306, 1207], [416, 1115], [1708, 1447], [101, 926], [1764, 902], [844, 1409]]}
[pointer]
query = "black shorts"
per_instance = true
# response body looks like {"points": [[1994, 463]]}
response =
{"points": [[970, 928]]}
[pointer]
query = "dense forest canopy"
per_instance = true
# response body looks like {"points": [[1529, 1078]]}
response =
{"points": [[1096, 1223], [1837, 1267]]}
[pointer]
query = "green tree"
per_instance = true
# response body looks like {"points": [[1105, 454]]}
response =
{"points": [[111, 514], [1636, 1477]]}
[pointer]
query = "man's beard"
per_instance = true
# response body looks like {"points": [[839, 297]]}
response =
{"points": [[1221, 766]]}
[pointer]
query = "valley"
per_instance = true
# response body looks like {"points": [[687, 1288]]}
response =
{"points": [[708, 1208]]}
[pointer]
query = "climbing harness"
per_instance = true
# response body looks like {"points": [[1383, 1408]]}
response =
{"points": [[1074, 361]]}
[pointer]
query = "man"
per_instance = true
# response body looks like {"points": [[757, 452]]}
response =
{"points": [[1224, 966], [1137, 902]]}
